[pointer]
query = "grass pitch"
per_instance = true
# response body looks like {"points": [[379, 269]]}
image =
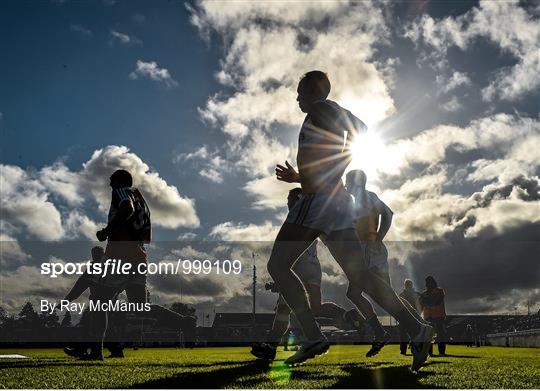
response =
{"points": [[342, 367]]}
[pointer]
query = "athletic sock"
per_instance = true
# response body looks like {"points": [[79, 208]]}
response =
{"points": [[310, 327], [376, 326]]}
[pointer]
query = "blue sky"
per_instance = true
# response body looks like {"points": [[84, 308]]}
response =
{"points": [[198, 99], [77, 89]]}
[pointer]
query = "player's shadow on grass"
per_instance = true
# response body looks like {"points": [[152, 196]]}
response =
{"points": [[219, 378], [250, 374], [362, 376]]}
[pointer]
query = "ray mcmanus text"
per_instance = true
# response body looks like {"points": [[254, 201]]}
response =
{"points": [[93, 305]]}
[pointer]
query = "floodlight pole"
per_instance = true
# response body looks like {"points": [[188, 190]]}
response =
{"points": [[254, 294]]}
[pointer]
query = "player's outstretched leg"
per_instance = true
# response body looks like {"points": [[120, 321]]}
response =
{"points": [[348, 252], [382, 337], [291, 242], [267, 350]]}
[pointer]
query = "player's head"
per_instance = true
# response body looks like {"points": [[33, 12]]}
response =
{"points": [[430, 282], [121, 178], [313, 86], [293, 197], [408, 284], [97, 253], [355, 180]]}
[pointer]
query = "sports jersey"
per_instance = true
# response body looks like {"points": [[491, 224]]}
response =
{"points": [[367, 208], [138, 226], [322, 157], [126, 240]]}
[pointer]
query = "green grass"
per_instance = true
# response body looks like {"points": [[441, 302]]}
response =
{"points": [[342, 367]]}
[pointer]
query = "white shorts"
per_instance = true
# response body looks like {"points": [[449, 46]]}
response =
{"points": [[323, 212], [376, 256]]}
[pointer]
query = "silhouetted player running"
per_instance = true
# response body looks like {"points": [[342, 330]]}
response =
{"points": [[127, 231], [325, 210], [369, 211], [308, 270], [373, 221]]}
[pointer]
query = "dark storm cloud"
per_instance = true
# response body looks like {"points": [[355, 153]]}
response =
{"points": [[471, 269], [479, 276]]}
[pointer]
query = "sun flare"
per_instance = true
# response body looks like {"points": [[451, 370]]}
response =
{"points": [[371, 155]]}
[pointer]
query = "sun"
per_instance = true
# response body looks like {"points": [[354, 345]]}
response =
{"points": [[369, 154]]}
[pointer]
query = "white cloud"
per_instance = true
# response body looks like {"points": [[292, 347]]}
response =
{"points": [[187, 236], [503, 215], [79, 28], [240, 232], [505, 180], [211, 174], [200, 153], [268, 192], [263, 154], [504, 23], [26, 205], [169, 208], [456, 80], [78, 225], [505, 169], [59, 180], [497, 134], [49, 204], [124, 39], [268, 47], [452, 105], [152, 71], [211, 166]]}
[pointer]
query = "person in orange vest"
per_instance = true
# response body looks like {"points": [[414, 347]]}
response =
{"points": [[433, 310]]}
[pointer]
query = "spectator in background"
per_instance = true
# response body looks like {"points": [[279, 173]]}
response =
{"points": [[410, 296], [433, 310]]}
